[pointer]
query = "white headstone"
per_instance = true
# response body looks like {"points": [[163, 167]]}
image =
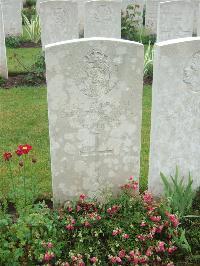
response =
{"points": [[12, 17], [95, 106], [175, 20], [59, 21], [198, 21], [102, 19], [196, 15], [81, 15], [151, 15], [3, 59], [139, 7], [175, 125]]}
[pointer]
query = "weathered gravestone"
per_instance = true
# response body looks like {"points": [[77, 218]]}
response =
{"points": [[3, 59], [59, 21], [102, 19], [12, 17], [138, 6], [175, 125], [175, 20], [95, 106], [151, 15]]}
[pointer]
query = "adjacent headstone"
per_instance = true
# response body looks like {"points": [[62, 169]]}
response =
{"points": [[138, 9], [81, 15], [151, 15], [102, 19], [59, 21], [12, 17], [175, 20], [198, 21], [196, 15], [175, 125], [3, 59], [95, 106]]}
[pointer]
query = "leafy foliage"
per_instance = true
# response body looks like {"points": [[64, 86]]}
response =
{"points": [[33, 28], [130, 22], [13, 42], [180, 195], [148, 62]]}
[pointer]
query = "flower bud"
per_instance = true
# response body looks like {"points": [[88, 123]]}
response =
{"points": [[21, 163]]}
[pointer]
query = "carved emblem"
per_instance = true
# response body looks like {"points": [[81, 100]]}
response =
{"points": [[191, 73], [98, 75]]}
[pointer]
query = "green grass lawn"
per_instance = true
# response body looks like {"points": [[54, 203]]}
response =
{"points": [[20, 60], [23, 116]]}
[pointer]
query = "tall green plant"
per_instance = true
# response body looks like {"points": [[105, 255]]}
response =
{"points": [[148, 61], [33, 28], [179, 194]]}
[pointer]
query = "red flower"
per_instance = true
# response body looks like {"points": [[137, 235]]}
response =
{"points": [[19, 152], [7, 156], [25, 148]]}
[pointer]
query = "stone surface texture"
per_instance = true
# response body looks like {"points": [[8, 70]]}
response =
{"points": [[3, 59], [175, 125], [151, 15], [59, 21], [175, 20], [12, 17], [102, 19], [198, 21], [95, 108]]}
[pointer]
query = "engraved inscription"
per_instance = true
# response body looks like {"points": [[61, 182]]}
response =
{"points": [[191, 73], [98, 74], [96, 118]]}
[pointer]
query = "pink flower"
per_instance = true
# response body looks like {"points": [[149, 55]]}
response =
{"points": [[125, 236], [87, 224], [149, 251], [135, 185], [131, 178], [173, 218], [69, 209], [82, 197], [49, 245], [93, 259], [155, 218], [113, 209], [116, 232], [171, 249], [143, 224], [69, 227], [81, 263], [132, 253], [122, 253], [141, 237], [147, 197], [78, 208], [48, 256], [160, 247], [143, 259]]}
